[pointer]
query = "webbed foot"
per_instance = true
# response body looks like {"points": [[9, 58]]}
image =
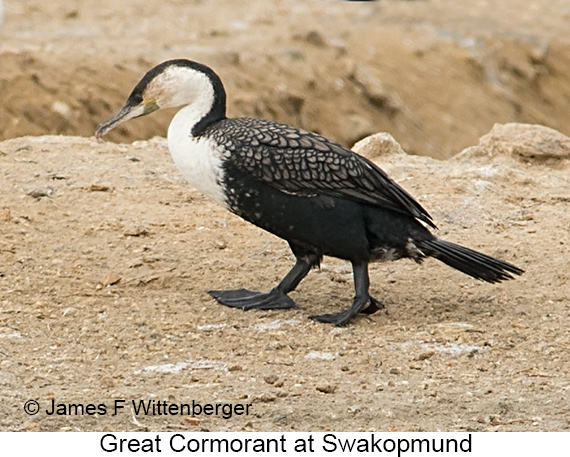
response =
{"points": [[375, 305], [250, 299], [342, 318]]}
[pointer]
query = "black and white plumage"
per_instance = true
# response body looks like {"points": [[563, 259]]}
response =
{"points": [[319, 196]]}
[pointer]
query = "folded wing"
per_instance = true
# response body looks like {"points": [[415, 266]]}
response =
{"points": [[302, 163]]}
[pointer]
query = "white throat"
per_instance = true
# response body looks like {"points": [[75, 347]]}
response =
{"points": [[198, 159]]}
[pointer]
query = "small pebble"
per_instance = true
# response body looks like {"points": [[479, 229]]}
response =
{"points": [[424, 356], [265, 398], [111, 279], [327, 388], [41, 192], [270, 379], [190, 421], [98, 188]]}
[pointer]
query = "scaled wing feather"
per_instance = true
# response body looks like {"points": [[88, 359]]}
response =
{"points": [[306, 164]]}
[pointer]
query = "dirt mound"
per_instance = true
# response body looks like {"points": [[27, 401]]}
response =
{"points": [[344, 70]]}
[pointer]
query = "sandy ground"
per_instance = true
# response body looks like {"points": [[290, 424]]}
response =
{"points": [[106, 254]]}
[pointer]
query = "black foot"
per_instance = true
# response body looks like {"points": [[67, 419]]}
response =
{"points": [[342, 318], [375, 305], [338, 319], [250, 299]]}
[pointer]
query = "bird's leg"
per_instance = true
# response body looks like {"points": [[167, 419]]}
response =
{"points": [[362, 297], [276, 298]]}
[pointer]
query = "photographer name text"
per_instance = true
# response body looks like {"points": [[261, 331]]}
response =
{"points": [[141, 408]]}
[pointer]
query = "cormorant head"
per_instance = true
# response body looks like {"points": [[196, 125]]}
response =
{"points": [[173, 83]]}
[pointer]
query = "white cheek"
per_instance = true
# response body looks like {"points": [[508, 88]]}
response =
{"points": [[192, 88]]}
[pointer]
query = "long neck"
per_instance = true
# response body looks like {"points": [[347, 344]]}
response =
{"points": [[188, 123], [217, 110]]}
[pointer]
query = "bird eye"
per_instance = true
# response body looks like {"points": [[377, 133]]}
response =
{"points": [[136, 98]]}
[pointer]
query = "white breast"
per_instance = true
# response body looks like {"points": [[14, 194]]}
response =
{"points": [[198, 159]]}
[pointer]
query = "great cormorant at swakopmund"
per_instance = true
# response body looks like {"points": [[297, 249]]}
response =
{"points": [[319, 196]]}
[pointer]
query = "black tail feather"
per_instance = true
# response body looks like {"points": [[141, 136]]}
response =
{"points": [[470, 262]]}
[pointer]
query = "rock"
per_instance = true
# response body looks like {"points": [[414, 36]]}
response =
{"points": [[327, 388], [41, 192], [99, 188], [522, 141], [136, 230], [424, 356], [378, 145], [190, 421], [264, 398], [111, 279], [270, 379]]}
